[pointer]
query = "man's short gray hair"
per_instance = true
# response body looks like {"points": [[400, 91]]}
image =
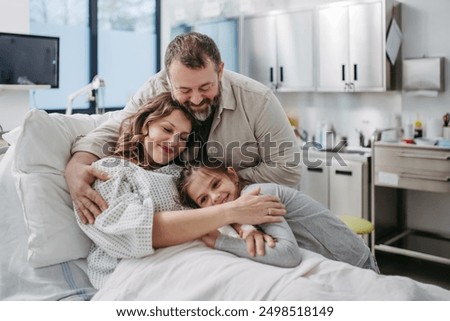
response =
{"points": [[193, 50]]}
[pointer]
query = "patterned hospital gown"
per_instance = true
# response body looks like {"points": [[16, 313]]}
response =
{"points": [[124, 230]]}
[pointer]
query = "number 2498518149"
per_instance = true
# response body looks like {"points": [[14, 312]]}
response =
{"points": [[301, 311]]}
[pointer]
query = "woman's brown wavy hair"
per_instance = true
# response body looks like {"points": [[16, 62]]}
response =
{"points": [[134, 128]]}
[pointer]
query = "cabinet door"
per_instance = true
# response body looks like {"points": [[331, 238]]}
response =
{"points": [[367, 50], [346, 188], [315, 183], [295, 51], [333, 48], [259, 49]]}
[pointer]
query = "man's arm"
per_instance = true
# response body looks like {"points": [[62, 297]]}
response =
{"points": [[79, 176], [278, 148]]}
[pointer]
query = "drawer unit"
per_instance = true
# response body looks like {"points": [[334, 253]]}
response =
{"points": [[412, 167], [408, 167]]}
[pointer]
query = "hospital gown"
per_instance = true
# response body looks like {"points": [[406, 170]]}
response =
{"points": [[124, 229]]}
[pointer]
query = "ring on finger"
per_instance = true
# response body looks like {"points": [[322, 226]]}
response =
{"points": [[269, 212]]}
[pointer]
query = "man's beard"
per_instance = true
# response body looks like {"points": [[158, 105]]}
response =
{"points": [[203, 114], [206, 111]]}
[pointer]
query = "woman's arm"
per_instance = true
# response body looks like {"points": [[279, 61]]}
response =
{"points": [[175, 227], [135, 218]]}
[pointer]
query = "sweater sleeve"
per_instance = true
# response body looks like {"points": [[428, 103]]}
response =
{"points": [[285, 253]]}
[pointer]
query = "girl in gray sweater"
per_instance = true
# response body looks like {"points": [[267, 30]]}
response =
{"points": [[308, 224]]}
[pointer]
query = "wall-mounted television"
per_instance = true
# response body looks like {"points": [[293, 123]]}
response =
{"points": [[29, 59]]}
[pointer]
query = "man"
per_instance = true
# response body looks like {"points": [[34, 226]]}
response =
{"points": [[242, 121]]}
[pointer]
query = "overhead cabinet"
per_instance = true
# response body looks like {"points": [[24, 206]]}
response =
{"points": [[278, 50], [351, 45]]}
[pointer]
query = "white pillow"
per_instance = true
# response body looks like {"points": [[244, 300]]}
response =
{"points": [[41, 153]]}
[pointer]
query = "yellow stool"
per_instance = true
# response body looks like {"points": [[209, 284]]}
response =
{"points": [[358, 225]]}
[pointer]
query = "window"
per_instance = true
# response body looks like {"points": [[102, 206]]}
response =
{"points": [[67, 20], [126, 47], [114, 39]]}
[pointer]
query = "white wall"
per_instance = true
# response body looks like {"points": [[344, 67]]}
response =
{"points": [[14, 18]]}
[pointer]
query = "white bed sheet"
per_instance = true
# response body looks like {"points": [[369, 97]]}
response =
{"points": [[18, 280], [192, 271]]}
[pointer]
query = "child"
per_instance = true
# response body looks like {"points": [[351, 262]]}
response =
{"points": [[307, 223]]}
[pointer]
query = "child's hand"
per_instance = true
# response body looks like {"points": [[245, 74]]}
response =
{"points": [[210, 238], [256, 241]]}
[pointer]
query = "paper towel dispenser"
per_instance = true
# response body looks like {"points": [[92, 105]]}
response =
{"points": [[423, 74]]}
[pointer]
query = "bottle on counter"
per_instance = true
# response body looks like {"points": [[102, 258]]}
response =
{"points": [[408, 130], [418, 128]]}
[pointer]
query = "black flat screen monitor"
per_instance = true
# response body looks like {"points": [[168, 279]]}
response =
{"points": [[29, 59]]}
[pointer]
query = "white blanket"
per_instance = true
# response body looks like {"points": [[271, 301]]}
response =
{"points": [[192, 271]]}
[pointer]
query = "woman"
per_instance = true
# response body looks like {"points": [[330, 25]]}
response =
{"points": [[142, 214]]}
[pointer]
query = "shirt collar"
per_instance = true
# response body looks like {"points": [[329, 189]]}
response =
{"points": [[228, 99]]}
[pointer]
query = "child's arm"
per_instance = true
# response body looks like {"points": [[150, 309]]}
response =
{"points": [[285, 253]]}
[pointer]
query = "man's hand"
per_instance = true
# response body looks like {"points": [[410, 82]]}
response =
{"points": [[79, 176]]}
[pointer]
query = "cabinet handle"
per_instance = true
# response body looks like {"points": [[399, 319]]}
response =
{"points": [[281, 74], [271, 74], [427, 177], [315, 169], [441, 157], [340, 172], [343, 72], [355, 72]]}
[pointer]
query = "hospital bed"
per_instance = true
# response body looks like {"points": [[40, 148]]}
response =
{"points": [[43, 252]]}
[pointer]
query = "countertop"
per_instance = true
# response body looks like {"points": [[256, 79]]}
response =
{"points": [[355, 153]]}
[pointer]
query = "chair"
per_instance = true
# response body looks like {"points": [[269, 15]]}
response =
{"points": [[358, 225]]}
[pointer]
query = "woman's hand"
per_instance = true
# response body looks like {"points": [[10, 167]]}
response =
{"points": [[79, 176], [254, 209]]}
